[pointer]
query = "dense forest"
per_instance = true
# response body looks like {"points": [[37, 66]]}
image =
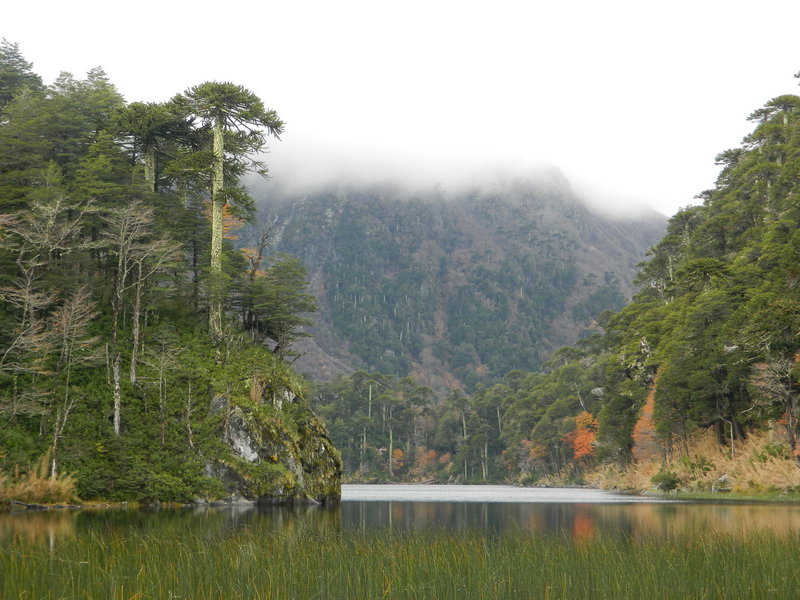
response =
{"points": [[707, 348], [454, 287], [141, 355]]}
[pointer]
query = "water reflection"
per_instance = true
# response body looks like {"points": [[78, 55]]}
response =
{"points": [[574, 519], [216, 523]]}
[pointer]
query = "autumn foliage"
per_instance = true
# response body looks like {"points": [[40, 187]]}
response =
{"points": [[645, 439], [581, 439]]}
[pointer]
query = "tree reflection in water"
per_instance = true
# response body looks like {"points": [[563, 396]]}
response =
{"points": [[576, 520]]}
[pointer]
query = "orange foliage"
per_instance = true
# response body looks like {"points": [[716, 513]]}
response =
{"points": [[426, 459], [582, 438], [645, 440], [534, 450], [398, 458], [251, 256], [230, 222]]}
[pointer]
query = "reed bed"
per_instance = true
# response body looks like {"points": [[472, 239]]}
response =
{"points": [[252, 564]]}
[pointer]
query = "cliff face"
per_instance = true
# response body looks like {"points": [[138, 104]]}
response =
{"points": [[276, 454], [271, 447], [454, 288]]}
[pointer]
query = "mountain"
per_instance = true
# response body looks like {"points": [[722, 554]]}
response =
{"points": [[453, 287]]}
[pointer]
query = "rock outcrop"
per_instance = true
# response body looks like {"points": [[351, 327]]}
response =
{"points": [[278, 453]]}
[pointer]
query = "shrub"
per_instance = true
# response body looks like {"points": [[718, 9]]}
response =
{"points": [[665, 480]]}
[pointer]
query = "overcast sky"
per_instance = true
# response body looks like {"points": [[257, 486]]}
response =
{"points": [[630, 99]]}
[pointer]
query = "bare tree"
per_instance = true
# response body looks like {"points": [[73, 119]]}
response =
{"points": [[40, 238], [162, 357], [138, 257], [773, 384], [68, 325]]}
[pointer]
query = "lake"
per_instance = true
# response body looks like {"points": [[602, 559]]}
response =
{"points": [[574, 512], [571, 512], [399, 541]]}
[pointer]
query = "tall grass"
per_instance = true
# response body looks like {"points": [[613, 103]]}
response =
{"points": [[760, 464], [37, 487], [253, 564]]}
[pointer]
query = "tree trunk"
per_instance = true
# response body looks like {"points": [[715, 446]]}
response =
{"points": [[117, 392], [137, 307], [391, 449], [150, 168], [217, 202], [162, 402], [361, 466]]}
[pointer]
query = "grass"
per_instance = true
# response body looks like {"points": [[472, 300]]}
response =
{"points": [[37, 487], [758, 468], [261, 564]]}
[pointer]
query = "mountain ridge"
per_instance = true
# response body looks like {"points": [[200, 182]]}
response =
{"points": [[453, 286]]}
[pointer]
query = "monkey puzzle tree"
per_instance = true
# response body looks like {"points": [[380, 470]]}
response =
{"points": [[239, 126], [150, 126]]}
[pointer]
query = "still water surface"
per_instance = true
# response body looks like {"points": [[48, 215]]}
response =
{"points": [[572, 513], [576, 513]]}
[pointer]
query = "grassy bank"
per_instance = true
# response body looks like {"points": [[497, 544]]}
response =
{"points": [[330, 564], [37, 487], [759, 468]]}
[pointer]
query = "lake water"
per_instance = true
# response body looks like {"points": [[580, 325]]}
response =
{"points": [[573, 513]]}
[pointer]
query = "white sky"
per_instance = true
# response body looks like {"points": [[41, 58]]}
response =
{"points": [[631, 99]]}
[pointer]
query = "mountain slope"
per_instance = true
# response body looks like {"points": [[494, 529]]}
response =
{"points": [[455, 288]]}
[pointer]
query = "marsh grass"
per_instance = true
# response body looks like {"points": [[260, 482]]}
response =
{"points": [[260, 564], [37, 487]]}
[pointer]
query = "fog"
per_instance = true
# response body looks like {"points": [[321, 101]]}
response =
{"points": [[630, 100], [447, 176]]}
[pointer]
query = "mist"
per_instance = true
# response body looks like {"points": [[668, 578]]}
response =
{"points": [[297, 171]]}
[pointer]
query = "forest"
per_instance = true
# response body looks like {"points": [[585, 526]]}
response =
{"points": [[455, 287], [701, 367], [133, 335], [136, 329]]}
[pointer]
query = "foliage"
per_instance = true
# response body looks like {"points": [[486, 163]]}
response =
{"points": [[106, 361], [457, 289], [37, 486], [665, 480]]}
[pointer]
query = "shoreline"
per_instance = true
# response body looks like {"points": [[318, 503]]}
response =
{"points": [[17, 506]]}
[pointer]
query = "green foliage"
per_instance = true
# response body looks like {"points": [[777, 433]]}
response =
{"points": [[712, 333], [105, 357], [467, 288], [665, 480]]}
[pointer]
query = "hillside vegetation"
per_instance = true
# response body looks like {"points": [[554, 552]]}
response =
{"points": [[140, 353], [456, 288], [708, 347]]}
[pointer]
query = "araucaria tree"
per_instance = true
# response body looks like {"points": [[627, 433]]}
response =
{"points": [[239, 126]]}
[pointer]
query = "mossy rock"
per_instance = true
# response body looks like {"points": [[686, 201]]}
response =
{"points": [[276, 456]]}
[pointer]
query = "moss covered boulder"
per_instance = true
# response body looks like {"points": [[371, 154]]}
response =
{"points": [[275, 449], [276, 456]]}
